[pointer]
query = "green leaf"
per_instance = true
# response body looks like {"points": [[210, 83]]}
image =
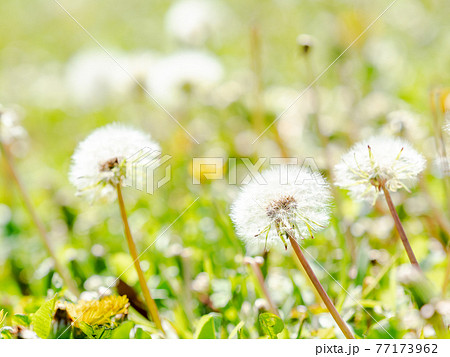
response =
{"points": [[362, 262], [141, 334], [217, 322], [384, 329], [42, 318], [103, 332], [236, 329], [242, 335], [123, 331], [205, 329], [145, 324], [271, 324], [5, 333], [95, 332], [22, 320], [87, 329]]}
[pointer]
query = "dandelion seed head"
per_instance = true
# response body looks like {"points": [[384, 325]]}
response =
{"points": [[99, 161], [404, 123], [305, 42], [441, 167], [298, 203], [184, 74], [282, 207], [93, 79], [376, 162], [193, 22]]}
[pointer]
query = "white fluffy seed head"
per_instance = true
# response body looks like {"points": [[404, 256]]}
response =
{"points": [[93, 79], [98, 163], [263, 213], [441, 167], [378, 161], [184, 74], [193, 22], [10, 129], [404, 123]]}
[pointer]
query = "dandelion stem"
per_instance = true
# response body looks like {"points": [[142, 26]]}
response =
{"points": [[60, 268], [326, 299], [399, 226], [151, 305], [260, 278], [447, 274]]}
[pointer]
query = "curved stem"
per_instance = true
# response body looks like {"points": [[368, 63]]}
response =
{"points": [[400, 230], [326, 299], [60, 268], [151, 305]]}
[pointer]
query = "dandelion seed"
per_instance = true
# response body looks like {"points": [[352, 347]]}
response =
{"points": [[99, 162], [262, 213], [376, 162]]}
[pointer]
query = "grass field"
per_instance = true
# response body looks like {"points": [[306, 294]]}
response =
{"points": [[225, 88]]}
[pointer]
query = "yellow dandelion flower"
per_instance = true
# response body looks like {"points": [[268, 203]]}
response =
{"points": [[98, 312]]}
